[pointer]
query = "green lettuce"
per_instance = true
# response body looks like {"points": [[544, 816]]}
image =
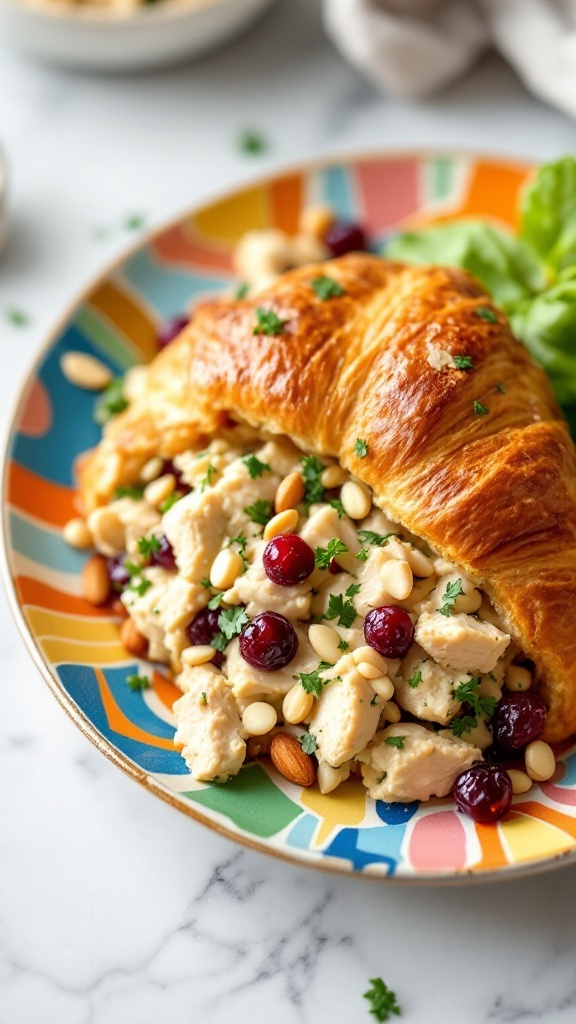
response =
{"points": [[531, 276]]}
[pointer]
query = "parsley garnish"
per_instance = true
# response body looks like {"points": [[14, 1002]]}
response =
{"points": [[232, 621], [268, 322], [395, 741], [308, 742], [136, 682], [327, 288], [205, 583], [500, 387], [148, 545], [382, 999], [353, 589], [323, 556], [216, 600], [453, 590], [360, 448], [344, 645], [480, 410], [252, 142], [467, 693], [255, 467], [206, 480], [17, 317], [219, 642], [111, 402], [464, 363], [362, 555], [203, 697], [377, 539], [312, 470], [135, 573], [343, 610], [141, 587], [311, 681], [416, 679], [374, 701], [241, 541], [170, 501], [242, 290], [486, 314], [260, 512], [337, 504], [462, 725], [128, 491]]}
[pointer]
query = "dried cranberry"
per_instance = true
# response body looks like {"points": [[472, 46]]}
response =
{"points": [[483, 792], [344, 236], [519, 718], [203, 629], [169, 467], [389, 630], [288, 560], [118, 573], [164, 557], [268, 642], [170, 329]]}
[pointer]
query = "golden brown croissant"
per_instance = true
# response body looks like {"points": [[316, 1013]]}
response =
{"points": [[477, 462]]}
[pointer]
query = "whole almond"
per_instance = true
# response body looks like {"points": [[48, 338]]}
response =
{"points": [[133, 640], [291, 761], [95, 580], [290, 492]]}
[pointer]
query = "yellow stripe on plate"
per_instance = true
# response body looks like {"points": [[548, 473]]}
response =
{"points": [[529, 839], [59, 651], [68, 627]]}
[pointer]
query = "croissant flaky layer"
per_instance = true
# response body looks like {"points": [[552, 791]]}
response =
{"points": [[477, 462]]}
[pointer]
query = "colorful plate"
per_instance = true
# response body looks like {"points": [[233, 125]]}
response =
{"points": [[76, 646]]}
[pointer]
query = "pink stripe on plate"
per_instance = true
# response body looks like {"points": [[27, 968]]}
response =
{"points": [[36, 415], [438, 842], [388, 191]]}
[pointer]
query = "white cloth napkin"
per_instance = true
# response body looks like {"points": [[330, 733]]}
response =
{"points": [[413, 47]]}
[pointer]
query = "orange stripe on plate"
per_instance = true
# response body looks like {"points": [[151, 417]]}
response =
{"points": [[495, 188], [49, 502], [121, 310], [165, 690], [40, 595], [174, 246], [286, 202], [493, 855], [117, 719]]}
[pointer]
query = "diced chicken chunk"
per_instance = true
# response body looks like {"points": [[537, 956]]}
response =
{"points": [[163, 611], [460, 641], [138, 518], [426, 690], [372, 592], [345, 719], [209, 725], [426, 765], [247, 681]]}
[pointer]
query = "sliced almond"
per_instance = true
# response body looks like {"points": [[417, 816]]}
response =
{"points": [[291, 761], [95, 580], [85, 371]]}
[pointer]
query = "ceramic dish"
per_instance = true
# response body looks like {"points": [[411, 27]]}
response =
{"points": [[77, 646], [109, 39]]}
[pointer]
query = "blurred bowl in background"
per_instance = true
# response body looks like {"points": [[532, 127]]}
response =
{"points": [[100, 37]]}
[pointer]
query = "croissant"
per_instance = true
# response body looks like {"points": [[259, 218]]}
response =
{"points": [[477, 461]]}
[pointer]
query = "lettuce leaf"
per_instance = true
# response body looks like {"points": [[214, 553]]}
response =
{"points": [[548, 215]]}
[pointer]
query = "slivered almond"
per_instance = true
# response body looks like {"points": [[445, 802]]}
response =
{"points": [[95, 580], [132, 639], [291, 761]]}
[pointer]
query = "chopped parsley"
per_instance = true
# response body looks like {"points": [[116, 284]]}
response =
{"points": [[136, 682], [486, 314], [203, 697], [232, 621], [137, 584], [337, 504], [453, 590], [341, 609], [148, 545], [260, 512], [326, 288], [311, 681], [416, 679], [362, 555], [480, 410], [216, 600], [170, 501], [500, 387], [360, 448], [252, 142], [308, 742], [128, 491], [206, 480], [374, 700], [111, 402], [312, 470], [353, 589], [467, 693], [395, 741], [324, 556], [219, 642], [377, 539], [241, 541], [205, 583], [17, 318], [268, 322], [255, 467], [382, 1000], [242, 290], [344, 645], [464, 363], [461, 725]]}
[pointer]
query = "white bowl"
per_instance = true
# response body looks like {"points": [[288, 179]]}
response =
{"points": [[103, 39]]}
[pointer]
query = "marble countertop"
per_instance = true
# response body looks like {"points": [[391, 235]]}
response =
{"points": [[115, 909]]}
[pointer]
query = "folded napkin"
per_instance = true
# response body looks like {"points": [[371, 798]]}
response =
{"points": [[413, 47]]}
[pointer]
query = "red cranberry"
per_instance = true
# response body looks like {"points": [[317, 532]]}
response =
{"points": [[483, 792], [119, 575], [268, 642], [165, 556], [203, 629], [519, 718], [343, 237], [389, 631], [170, 329], [288, 560]]}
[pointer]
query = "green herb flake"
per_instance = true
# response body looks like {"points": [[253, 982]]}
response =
{"points": [[232, 621], [136, 682], [128, 491], [500, 387], [453, 590], [111, 402], [312, 470], [170, 501], [353, 589], [480, 410], [360, 448], [216, 600], [140, 587], [344, 645], [362, 555], [467, 693], [341, 609], [252, 142], [395, 741], [205, 583], [378, 540], [241, 541], [337, 504], [374, 701], [327, 288], [17, 317], [255, 467], [204, 697], [206, 480], [416, 679], [148, 545], [268, 322], [260, 512], [324, 556], [311, 681], [382, 1000], [486, 314], [242, 291], [135, 221], [459, 726], [219, 642], [463, 363], [308, 742]]}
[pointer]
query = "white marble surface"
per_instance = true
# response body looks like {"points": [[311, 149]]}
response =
{"points": [[114, 909]]}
